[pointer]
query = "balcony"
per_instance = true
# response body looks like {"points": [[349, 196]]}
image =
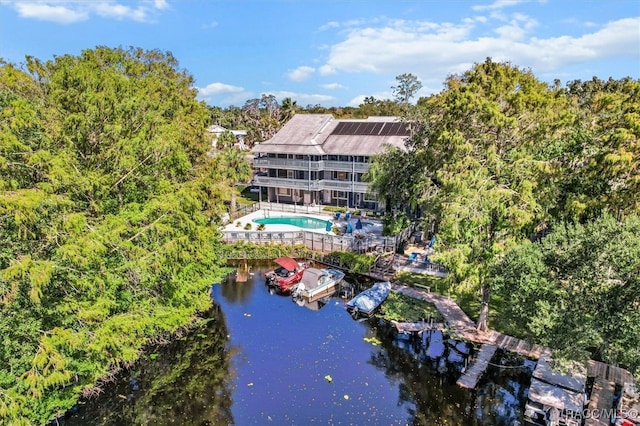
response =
{"points": [[314, 185], [287, 164]]}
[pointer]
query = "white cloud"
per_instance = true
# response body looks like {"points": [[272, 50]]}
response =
{"points": [[332, 86], [434, 51], [303, 99], [224, 94], [161, 4], [326, 70], [498, 4], [48, 12], [120, 12], [210, 25], [218, 88], [71, 11], [329, 25], [301, 73]]}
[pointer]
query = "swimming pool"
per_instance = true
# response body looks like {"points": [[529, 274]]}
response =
{"points": [[299, 221]]}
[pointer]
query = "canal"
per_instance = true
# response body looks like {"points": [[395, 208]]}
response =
{"points": [[264, 359]]}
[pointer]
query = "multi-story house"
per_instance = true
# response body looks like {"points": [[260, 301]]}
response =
{"points": [[317, 159], [216, 130]]}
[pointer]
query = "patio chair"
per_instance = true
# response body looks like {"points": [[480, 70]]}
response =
{"points": [[336, 216], [347, 216], [413, 257]]}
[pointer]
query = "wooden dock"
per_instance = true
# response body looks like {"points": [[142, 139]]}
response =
{"points": [[470, 377], [601, 402], [462, 327], [609, 373]]}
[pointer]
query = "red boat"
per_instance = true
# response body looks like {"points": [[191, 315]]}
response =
{"points": [[288, 274]]}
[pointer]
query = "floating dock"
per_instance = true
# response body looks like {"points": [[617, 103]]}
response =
{"points": [[470, 377]]}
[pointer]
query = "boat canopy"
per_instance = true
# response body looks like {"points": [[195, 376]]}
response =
{"points": [[556, 397], [287, 263]]}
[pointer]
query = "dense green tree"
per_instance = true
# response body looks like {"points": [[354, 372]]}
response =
{"points": [[371, 107], [577, 290], [391, 183], [105, 219], [226, 139], [483, 173], [601, 159], [234, 169]]}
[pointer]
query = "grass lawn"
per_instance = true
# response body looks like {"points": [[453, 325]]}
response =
{"points": [[469, 299]]}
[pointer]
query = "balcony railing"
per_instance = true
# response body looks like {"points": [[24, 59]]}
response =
{"points": [[287, 164], [313, 185]]}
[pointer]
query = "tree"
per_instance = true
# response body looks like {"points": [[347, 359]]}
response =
{"points": [[234, 168], [484, 173], [288, 110], [226, 139], [105, 213], [391, 183], [577, 290], [602, 155], [407, 86]]}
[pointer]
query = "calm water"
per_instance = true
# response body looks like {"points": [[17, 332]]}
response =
{"points": [[285, 364], [299, 221]]}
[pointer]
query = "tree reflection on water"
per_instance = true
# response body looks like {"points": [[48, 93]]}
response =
{"points": [[184, 382], [263, 359]]}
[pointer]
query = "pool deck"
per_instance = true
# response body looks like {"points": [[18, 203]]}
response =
{"points": [[261, 214]]}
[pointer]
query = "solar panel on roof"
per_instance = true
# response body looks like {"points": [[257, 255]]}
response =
{"points": [[367, 129], [339, 129], [351, 128], [385, 129]]}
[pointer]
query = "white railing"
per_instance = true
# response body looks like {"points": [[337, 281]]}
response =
{"points": [[284, 163], [313, 185], [313, 240]]}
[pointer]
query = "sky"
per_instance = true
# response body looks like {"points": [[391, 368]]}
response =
{"points": [[335, 53]]}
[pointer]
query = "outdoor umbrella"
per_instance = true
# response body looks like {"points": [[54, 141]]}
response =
{"points": [[359, 224], [329, 226]]}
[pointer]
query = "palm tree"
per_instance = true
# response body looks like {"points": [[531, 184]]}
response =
{"points": [[234, 168], [289, 109]]}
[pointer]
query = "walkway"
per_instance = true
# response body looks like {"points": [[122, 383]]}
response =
{"points": [[600, 402], [470, 377], [461, 326]]}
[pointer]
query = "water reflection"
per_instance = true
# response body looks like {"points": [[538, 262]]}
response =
{"points": [[185, 382], [265, 359]]}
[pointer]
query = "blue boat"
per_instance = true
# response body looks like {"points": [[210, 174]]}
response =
{"points": [[365, 303]]}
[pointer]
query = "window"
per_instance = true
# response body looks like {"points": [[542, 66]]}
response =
{"points": [[340, 176], [339, 194]]}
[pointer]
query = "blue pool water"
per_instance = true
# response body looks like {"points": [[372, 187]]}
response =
{"points": [[299, 221]]}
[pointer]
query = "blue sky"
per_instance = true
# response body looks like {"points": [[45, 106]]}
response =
{"points": [[334, 53]]}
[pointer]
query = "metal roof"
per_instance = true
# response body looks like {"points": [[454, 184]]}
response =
{"points": [[575, 380], [321, 134], [553, 396]]}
